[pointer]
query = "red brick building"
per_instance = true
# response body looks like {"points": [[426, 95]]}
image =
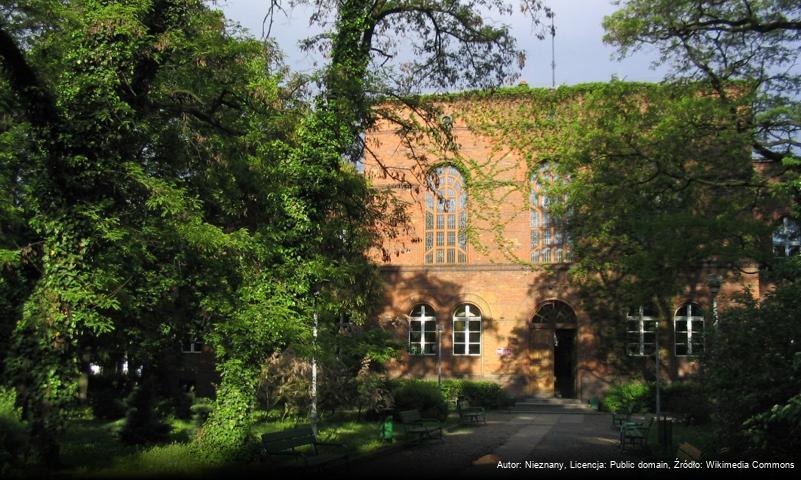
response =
{"points": [[479, 309]]}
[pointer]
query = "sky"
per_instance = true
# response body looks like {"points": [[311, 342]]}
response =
{"points": [[581, 55]]}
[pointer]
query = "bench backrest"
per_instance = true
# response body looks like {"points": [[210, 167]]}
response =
{"points": [[410, 416], [288, 439], [688, 452]]}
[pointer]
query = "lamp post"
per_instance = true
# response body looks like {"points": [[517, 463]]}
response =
{"points": [[439, 355], [713, 281]]}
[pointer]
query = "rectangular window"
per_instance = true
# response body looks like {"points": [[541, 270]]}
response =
{"points": [[440, 239], [451, 221], [451, 239], [422, 336], [640, 336], [188, 346], [689, 336], [467, 337], [429, 220]]}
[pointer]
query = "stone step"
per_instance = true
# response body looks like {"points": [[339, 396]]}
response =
{"points": [[551, 405], [550, 401]]}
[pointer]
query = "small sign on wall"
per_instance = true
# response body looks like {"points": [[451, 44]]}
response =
{"points": [[504, 351]]}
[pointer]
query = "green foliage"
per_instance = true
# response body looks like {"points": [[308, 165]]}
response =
{"points": [[630, 397], [142, 422], [775, 432], [421, 395], [373, 392], [739, 50], [201, 409], [689, 398], [107, 394], [753, 370], [478, 393], [13, 432]]}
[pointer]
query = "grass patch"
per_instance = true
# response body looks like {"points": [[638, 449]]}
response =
{"points": [[92, 447], [701, 437]]}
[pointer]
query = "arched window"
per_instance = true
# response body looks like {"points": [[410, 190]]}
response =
{"points": [[688, 324], [467, 330], [787, 239], [553, 313], [446, 218], [422, 331], [549, 244], [641, 331]]}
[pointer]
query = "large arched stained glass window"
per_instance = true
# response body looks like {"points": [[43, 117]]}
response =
{"points": [[467, 330], [688, 325], [446, 218], [422, 331], [548, 240]]}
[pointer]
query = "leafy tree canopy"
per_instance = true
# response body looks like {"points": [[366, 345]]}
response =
{"points": [[755, 43]]}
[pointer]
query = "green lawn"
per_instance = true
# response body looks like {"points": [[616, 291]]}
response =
{"points": [[92, 448]]}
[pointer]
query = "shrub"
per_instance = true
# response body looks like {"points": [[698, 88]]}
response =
{"points": [[106, 395], [478, 393], [13, 433], [631, 397], [373, 395], [423, 396], [142, 424], [687, 398], [285, 382], [752, 372], [485, 394]]}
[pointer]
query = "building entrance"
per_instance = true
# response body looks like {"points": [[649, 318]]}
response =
{"points": [[564, 366]]}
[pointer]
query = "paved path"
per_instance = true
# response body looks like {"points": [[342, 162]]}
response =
{"points": [[475, 451]]}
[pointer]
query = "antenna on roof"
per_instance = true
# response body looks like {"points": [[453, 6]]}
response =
{"points": [[553, 53]]}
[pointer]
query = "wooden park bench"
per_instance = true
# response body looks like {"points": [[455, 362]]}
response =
{"points": [[291, 443], [468, 413], [634, 433], [687, 452], [418, 428]]}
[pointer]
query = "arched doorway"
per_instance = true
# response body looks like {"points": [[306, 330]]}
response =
{"points": [[553, 334]]}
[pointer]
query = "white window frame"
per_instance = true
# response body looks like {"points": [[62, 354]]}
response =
{"points": [[641, 320], [446, 213], [195, 346], [467, 318], [786, 238], [691, 320], [547, 233], [423, 319]]}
